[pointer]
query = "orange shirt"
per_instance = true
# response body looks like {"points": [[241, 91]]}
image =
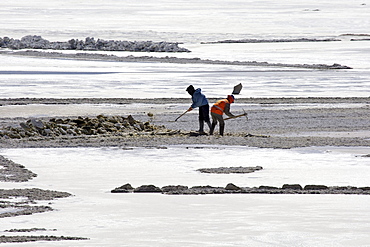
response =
{"points": [[219, 106]]}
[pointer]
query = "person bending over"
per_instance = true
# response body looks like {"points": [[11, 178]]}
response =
{"points": [[217, 110]]}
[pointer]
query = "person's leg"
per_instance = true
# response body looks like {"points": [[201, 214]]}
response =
{"points": [[201, 122], [222, 128], [214, 123], [217, 118], [222, 125], [204, 117], [201, 126], [209, 124]]}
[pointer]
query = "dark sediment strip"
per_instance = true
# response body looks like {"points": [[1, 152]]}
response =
{"points": [[233, 189]]}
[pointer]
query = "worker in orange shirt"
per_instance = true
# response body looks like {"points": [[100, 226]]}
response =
{"points": [[217, 111]]}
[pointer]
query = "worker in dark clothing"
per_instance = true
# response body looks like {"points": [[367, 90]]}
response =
{"points": [[217, 110], [200, 100]]}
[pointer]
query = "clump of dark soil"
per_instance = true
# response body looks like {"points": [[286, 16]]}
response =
{"points": [[13, 172], [25, 197], [227, 170]]}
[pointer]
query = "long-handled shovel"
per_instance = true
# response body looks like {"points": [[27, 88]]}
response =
{"points": [[181, 115]]}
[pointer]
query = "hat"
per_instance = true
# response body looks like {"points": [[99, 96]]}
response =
{"points": [[231, 98], [190, 89]]}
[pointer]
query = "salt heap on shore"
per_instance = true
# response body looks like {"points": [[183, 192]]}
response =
{"points": [[81, 126], [37, 42]]}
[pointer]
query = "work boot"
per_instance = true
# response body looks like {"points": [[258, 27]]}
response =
{"points": [[222, 128]]}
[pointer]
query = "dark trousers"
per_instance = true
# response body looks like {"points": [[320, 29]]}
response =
{"points": [[204, 113], [217, 118], [204, 117]]}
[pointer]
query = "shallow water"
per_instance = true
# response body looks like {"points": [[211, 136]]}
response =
{"points": [[210, 220]]}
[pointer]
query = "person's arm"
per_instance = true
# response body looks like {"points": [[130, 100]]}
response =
{"points": [[227, 111], [197, 98]]}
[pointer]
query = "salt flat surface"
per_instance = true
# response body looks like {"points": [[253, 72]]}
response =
{"points": [[360, 133], [58, 78], [45, 110], [210, 220]]}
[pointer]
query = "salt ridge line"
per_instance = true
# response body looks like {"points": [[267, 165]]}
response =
{"points": [[167, 59], [229, 41]]}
